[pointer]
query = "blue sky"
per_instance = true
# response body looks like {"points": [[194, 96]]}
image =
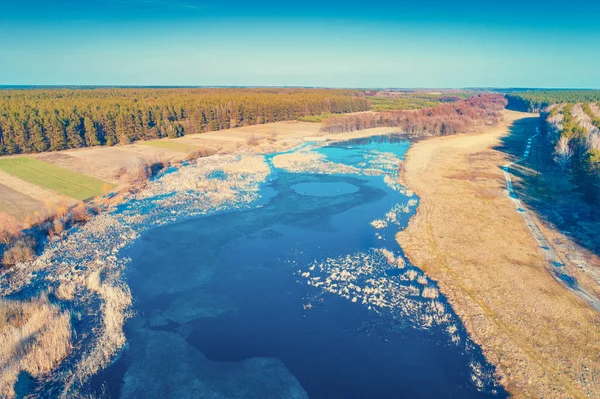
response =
{"points": [[305, 43]]}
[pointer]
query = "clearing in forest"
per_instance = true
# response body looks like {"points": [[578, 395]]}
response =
{"points": [[52, 177]]}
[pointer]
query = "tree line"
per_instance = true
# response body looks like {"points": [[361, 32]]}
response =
{"points": [[576, 150], [538, 100], [38, 120], [444, 119]]}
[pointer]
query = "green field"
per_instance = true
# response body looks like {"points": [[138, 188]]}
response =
{"points": [[52, 177], [317, 118], [408, 101], [172, 145]]}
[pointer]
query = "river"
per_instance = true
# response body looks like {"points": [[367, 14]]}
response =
{"points": [[303, 293]]}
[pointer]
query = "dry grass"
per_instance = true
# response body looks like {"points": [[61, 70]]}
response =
{"points": [[170, 144], [116, 303], [544, 340], [226, 141], [247, 164], [252, 140], [16, 203], [68, 160], [35, 336], [21, 251], [310, 162], [9, 228]]}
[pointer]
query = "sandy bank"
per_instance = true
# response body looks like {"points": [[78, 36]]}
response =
{"points": [[468, 236]]}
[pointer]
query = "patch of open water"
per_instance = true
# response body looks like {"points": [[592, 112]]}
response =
{"points": [[293, 298]]}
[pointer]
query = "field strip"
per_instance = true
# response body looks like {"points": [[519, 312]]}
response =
{"points": [[31, 190], [85, 166], [52, 177], [560, 273], [17, 204]]}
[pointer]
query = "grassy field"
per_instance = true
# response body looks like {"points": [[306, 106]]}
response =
{"points": [[52, 177], [390, 101], [316, 118], [400, 103], [171, 145]]}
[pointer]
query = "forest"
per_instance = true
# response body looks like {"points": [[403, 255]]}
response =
{"points": [[445, 119], [538, 100], [38, 120], [574, 143], [576, 148]]}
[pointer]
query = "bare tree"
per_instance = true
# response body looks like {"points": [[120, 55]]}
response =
{"points": [[593, 141], [563, 153]]}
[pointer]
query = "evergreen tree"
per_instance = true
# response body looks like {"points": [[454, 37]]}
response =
{"points": [[38, 137], [56, 134], [75, 118], [110, 131], [73, 131], [91, 132]]}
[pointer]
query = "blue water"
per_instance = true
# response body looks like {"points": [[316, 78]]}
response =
{"points": [[322, 189], [243, 269]]}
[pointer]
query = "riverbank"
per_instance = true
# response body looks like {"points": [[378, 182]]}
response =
{"points": [[468, 236]]}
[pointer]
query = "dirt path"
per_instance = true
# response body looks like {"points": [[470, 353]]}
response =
{"points": [[544, 340]]}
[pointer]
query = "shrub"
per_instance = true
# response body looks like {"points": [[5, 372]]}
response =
{"points": [[21, 251], [252, 140], [80, 214]]}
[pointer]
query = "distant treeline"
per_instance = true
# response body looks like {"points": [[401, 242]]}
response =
{"points": [[445, 119], [57, 119], [538, 100]]}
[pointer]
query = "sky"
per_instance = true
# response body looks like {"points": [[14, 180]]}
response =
{"points": [[350, 43]]}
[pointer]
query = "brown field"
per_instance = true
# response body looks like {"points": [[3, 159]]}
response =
{"points": [[232, 139], [16, 204], [21, 199], [544, 340], [106, 162]]}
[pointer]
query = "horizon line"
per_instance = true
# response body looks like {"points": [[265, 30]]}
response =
{"points": [[125, 86]]}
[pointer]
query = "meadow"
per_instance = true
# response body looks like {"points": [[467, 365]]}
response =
{"points": [[316, 118]]}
